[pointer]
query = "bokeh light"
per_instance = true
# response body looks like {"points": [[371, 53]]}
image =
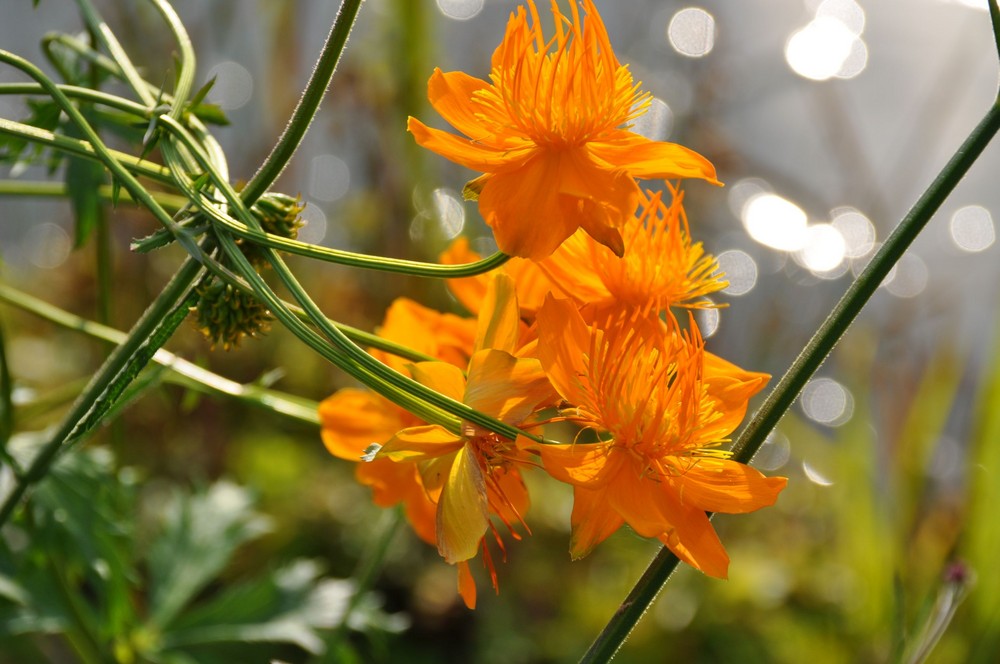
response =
{"points": [[908, 278], [857, 230], [972, 228], [47, 245], [233, 86], [314, 231], [819, 50], [708, 321], [847, 12], [824, 250], [692, 32], [329, 178], [448, 212], [740, 270], [775, 222], [826, 401], [656, 123], [460, 10], [774, 453]]}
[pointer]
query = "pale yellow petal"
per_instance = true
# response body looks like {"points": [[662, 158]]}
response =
{"points": [[440, 377], [506, 387], [499, 321], [462, 517]]}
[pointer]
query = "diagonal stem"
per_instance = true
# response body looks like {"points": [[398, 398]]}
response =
{"points": [[107, 378], [826, 337]]}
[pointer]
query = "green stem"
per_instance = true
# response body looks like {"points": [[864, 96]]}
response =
{"points": [[401, 389], [995, 21], [183, 372], [107, 379], [107, 38], [308, 105], [81, 94], [147, 169], [44, 189], [780, 399]]}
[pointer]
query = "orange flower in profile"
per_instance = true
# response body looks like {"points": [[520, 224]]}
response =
{"points": [[473, 475], [549, 133], [661, 268], [351, 420], [662, 406]]}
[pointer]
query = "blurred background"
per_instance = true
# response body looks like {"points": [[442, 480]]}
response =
{"points": [[825, 120]]}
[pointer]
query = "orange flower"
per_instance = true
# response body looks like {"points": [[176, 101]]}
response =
{"points": [[663, 406], [530, 282], [661, 267], [444, 336], [474, 474], [352, 420], [549, 133]]}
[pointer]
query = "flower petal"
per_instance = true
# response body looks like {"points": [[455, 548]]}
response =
{"points": [[723, 485], [525, 207], [440, 377], [646, 159], [466, 152], [452, 95], [582, 465], [692, 536], [506, 387], [563, 346], [466, 585], [593, 521], [417, 443], [353, 419], [499, 320], [462, 517]]}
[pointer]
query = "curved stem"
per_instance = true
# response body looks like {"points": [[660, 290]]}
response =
{"points": [[141, 167], [104, 381], [46, 189], [182, 372], [405, 391], [83, 94], [308, 104], [826, 337]]}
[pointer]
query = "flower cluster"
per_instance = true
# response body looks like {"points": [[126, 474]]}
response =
{"points": [[585, 325]]}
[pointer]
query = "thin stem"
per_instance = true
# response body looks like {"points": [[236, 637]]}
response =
{"points": [[185, 373], [104, 380], [147, 169], [82, 94], [308, 105], [995, 22], [107, 38], [45, 189], [781, 398], [354, 360]]}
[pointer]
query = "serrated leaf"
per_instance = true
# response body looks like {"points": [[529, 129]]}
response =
{"points": [[199, 535]]}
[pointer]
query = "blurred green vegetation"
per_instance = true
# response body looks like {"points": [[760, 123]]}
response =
{"points": [[200, 529]]}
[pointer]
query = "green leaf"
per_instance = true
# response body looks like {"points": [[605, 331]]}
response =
{"points": [[210, 113], [202, 92], [287, 606], [200, 533], [83, 181]]}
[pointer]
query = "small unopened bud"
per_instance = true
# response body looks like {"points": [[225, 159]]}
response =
{"points": [[225, 315], [278, 214]]}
